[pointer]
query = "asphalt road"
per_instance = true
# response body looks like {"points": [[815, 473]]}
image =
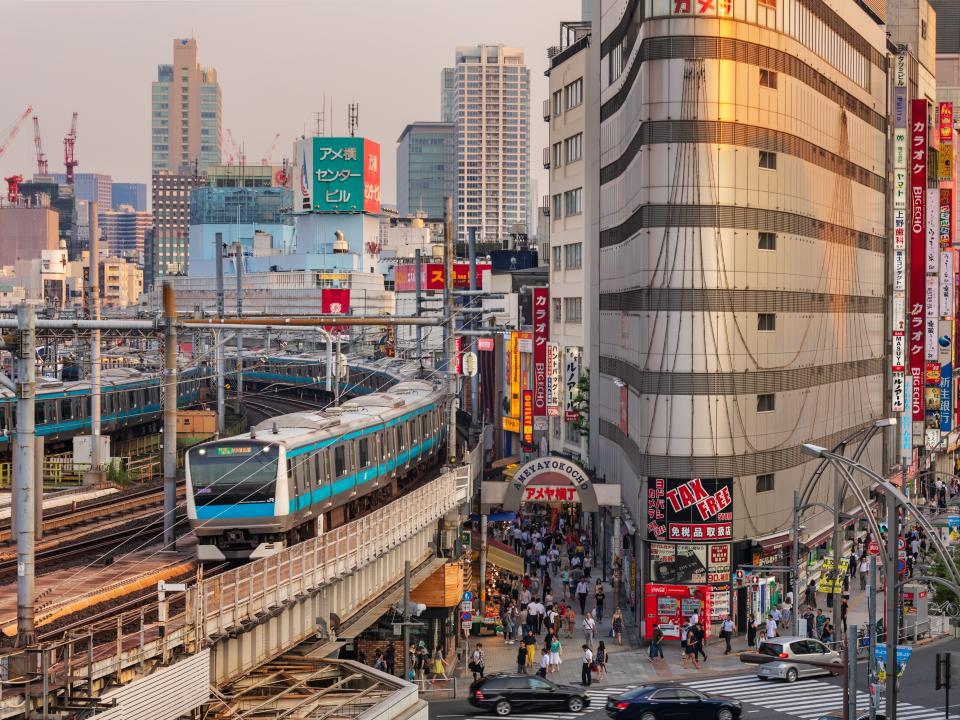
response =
{"points": [[804, 700]]}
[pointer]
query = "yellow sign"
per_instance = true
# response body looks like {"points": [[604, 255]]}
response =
{"points": [[515, 377], [830, 581], [510, 424]]}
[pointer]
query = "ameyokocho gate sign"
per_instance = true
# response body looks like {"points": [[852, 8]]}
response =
{"points": [[559, 476]]}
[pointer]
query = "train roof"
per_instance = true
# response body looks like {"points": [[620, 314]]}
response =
{"points": [[109, 378]]}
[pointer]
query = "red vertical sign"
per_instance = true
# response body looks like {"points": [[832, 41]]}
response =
{"points": [[541, 336], [918, 215], [335, 301], [371, 176], [528, 417]]}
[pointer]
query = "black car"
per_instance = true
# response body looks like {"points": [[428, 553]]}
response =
{"points": [[503, 694], [671, 703]]}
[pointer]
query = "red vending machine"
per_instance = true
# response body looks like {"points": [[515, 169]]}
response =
{"points": [[669, 606]]}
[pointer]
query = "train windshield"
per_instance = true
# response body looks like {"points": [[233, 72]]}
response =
{"points": [[233, 474]]}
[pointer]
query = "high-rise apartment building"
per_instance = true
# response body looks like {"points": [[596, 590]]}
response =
{"points": [[171, 222], [124, 231], [186, 112], [741, 230], [448, 95], [426, 167], [491, 109], [91, 187], [132, 194]]}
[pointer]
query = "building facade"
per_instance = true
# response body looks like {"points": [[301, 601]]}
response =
{"points": [[741, 231], [491, 109], [132, 194], [25, 232], [91, 187], [124, 231], [171, 222], [186, 112], [426, 168]]}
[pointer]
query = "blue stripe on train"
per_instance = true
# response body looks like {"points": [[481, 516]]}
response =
{"points": [[244, 510]]}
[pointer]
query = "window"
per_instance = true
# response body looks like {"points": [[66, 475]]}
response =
{"points": [[339, 461], [557, 206], [765, 483], [572, 309], [768, 160], [768, 78], [573, 199], [767, 241], [574, 93], [766, 403], [557, 307], [558, 103], [572, 255], [556, 257], [766, 322], [558, 155], [573, 147], [363, 452]]}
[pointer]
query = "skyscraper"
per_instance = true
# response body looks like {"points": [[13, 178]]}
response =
{"points": [[124, 231], [171, 222], [92, 187], [491, 109], [132, 194], [426, 167], [186, 112]]}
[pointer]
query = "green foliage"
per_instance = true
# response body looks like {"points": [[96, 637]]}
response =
{"points": [[938, 569], [581, 405], [117, 472]]}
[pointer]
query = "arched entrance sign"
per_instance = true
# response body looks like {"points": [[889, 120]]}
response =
{"points": [[551, 472]]}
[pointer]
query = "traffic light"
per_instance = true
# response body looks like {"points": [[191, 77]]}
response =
{"points": [[740, 577]]}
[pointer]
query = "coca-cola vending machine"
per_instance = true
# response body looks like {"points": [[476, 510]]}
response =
{"points": [[669, 607]]}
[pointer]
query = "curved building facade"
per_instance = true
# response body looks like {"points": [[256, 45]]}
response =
{"points": [[741, 229]]}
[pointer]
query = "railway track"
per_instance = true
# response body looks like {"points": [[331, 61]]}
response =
{"points": [[266, 406]]}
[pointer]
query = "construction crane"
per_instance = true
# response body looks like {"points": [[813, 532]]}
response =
{"points": [[41, 156], [269, 156], [7, 135], [13, 187], [233, 151], [69, 150]]}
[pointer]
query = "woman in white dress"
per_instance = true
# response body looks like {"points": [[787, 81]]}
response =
{"points": [[555, 650]]}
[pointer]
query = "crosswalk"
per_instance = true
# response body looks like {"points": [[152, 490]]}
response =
{"points": [[598, 700], [807, 699]]}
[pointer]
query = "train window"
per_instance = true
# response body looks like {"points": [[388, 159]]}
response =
{"points": [[66, 412], [363, 452], [339, 461], [398, 438]]}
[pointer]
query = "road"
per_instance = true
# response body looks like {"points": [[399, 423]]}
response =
{"points": [[807, 699]]}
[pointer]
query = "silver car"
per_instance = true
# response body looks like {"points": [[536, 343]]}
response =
{"points": [[795, 649]]}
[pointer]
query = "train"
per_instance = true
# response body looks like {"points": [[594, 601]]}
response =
{"points": [[296, 476], [128, 398], [308, 371]]}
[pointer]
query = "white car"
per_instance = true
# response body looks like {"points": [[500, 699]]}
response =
{"points": [[790, 651]]}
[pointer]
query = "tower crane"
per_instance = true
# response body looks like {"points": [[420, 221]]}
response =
{"points": [[69, 150], [269, 156], [232, 150], [7, 135], [41, 156]]}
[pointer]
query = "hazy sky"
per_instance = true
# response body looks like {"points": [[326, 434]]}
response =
{"points": [[275, 61]]}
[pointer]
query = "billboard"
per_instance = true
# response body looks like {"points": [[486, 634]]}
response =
{"points": [[571, 375], [335, 301], [515, 375], [528, 417], [690, 510], [918, 239], [680, 563], [334, 175], [433, 276], [541, 336]]}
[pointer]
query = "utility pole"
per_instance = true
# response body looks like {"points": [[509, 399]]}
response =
{"points": [[24, 496], [795, 562], [93, 308], [218, 346], [835, 600], [475, 379], [406, 619], [238, 262], [418, 309], [890, 595], [169, 417], [872, 634], [451, 344]]}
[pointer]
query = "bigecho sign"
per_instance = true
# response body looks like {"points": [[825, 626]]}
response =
{"points": [[690, 510]]}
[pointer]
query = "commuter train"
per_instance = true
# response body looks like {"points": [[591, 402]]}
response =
{"points": [[308, 370], [295, 476], [128, 398]]}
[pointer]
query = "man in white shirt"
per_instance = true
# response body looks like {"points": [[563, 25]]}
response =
{"points": [[727, 632], [771, 627], [582, 590], [695, 618], [777, 615], [587, 659], [589, 627]]}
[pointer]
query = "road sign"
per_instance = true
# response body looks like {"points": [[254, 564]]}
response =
{"points": [[873, 548], [901, 565], [467, 595], [467, 626], [466, 606], [466, 617], [901, 544]]}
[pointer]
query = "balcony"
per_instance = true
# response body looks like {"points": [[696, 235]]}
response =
{"points": [[545, 205], [546, 158], [546, 110]]}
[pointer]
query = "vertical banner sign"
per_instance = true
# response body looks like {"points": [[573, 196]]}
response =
{"points": [[946, 284], [900, 228], [932, 245], [335, 301], [946, 215], [514, 375], [625, 410], [918, 196], [553, 380], [541, 336], [571, 375], [528, 417], [946, 398], [906, 425], [900, 164], [945, 165]]}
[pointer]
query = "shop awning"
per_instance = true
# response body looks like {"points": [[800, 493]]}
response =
{"points": [[503, 462], [498, 554], [773, 539]]}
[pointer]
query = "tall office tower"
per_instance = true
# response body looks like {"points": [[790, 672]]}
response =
{"points": [[492, 114], [742, 231], [186, 112], [132, 194], [448, 95], [92, 187], [426, 167], [171, 222], [124, 231]]}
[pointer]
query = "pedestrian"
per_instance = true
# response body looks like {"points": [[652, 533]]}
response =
{"points": [[656, 644], [601, 661], [599, 596], [771, 627], [530, 642], [390, 658], [571, 619], [544, 662], [690, 649], [588, 562], [477, 662], [617, 626], [555, 659], [777, 615], [589, 628], [863, 570], [827, 635], [684, 639], [522, 658], [819, 622], [701, 636], [439, 665], [811, 622], [378, 662], [811, 594], [843, 615], [852, 564], [585, 666], [422, 662], [726, 632], [582, 590], [751, 631]]}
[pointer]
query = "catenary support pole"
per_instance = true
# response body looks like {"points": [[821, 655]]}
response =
{"points": [[406, 620], [418, 308], [96, 461], [24, 496], [890, 623], [169, 417], [795, 562], [451, 346], [483, 563], [38, 487], [872, 634], [238, 268], [835, 597], [221, 391], [475, 379]]}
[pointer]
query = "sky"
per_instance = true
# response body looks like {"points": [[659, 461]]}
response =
{"points": [[275, 61]]}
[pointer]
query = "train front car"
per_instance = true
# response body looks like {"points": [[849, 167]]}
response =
{"points": [[237, 498]]}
